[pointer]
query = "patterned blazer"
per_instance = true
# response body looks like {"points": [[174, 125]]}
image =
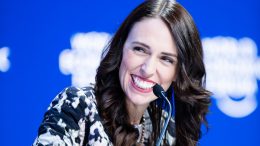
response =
{"points": [[72, 119]]}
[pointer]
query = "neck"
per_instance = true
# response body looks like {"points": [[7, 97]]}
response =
{"points": [[135, 112]]}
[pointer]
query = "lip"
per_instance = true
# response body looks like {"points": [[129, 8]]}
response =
{"points": [[141, 89]]}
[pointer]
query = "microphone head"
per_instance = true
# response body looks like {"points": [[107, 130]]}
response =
{"points": [[157, 90]]}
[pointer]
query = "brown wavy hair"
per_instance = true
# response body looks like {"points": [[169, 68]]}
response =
{"points": [[191, 98]]}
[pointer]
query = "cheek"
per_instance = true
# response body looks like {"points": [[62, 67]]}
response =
{"points": [[168, 76], [130, 61], [124, 70]]}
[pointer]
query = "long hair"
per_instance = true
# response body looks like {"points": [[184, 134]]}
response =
{"points": [[191, 98]]}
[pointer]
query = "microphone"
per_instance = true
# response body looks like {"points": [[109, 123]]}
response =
{"points": [[159, 92]]}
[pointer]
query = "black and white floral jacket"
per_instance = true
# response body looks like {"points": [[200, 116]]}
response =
{"points": [[72, 119]]}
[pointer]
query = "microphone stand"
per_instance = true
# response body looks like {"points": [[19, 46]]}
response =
{"points": [[159, 92]]}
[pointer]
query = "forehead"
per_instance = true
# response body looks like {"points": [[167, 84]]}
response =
{"points": [[153, 32]]}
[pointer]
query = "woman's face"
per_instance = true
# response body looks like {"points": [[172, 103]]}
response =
{"points": [[149, 57]]}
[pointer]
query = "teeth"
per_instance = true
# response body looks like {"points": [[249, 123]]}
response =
{"points": [[142, 84]]}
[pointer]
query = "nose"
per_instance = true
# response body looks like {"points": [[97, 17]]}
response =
{"points": [[148, 68]]}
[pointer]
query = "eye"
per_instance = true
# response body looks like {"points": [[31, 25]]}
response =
{"points": [[139, 49], [168, 60]]}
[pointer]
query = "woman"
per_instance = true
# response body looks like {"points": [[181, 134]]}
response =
{"points": [[158, 43]]}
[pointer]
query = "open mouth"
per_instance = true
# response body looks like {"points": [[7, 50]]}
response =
{"points": [[142, 84]]}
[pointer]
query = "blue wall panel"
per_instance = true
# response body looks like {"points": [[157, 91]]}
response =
{"points": [[34, 66]]}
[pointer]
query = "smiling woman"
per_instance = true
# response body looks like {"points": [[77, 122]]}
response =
{"points": [[144, 63], [158, 43]]}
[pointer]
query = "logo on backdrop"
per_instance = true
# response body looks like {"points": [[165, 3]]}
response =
{"points": [[232, 71], [82, 60], [4, 62], [232, 68]]}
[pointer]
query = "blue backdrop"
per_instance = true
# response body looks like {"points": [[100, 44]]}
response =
{"points": [[40, 43]]}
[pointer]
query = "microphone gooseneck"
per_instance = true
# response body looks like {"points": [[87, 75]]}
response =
{"points": [[159, 92]]}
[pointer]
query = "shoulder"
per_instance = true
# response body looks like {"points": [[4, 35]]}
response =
{"points": [[72, 91], [74, 96], [76, 92], [80, 103], [68, 117]]}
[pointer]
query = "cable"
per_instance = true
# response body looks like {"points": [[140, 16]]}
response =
{"points": [[159, 92]]}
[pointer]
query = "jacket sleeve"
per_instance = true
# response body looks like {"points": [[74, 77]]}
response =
{"points": [[64, 122]]}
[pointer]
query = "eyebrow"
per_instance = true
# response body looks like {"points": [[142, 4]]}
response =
{"points": [[142, 44], [169, 54], [146, 46]]}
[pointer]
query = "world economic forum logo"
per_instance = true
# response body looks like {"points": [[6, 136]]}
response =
{"points": [[233, 68], [82, 60], [4, 62], [232, 71]]}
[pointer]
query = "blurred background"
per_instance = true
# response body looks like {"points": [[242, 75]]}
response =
{"points": [[47, 45]]}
